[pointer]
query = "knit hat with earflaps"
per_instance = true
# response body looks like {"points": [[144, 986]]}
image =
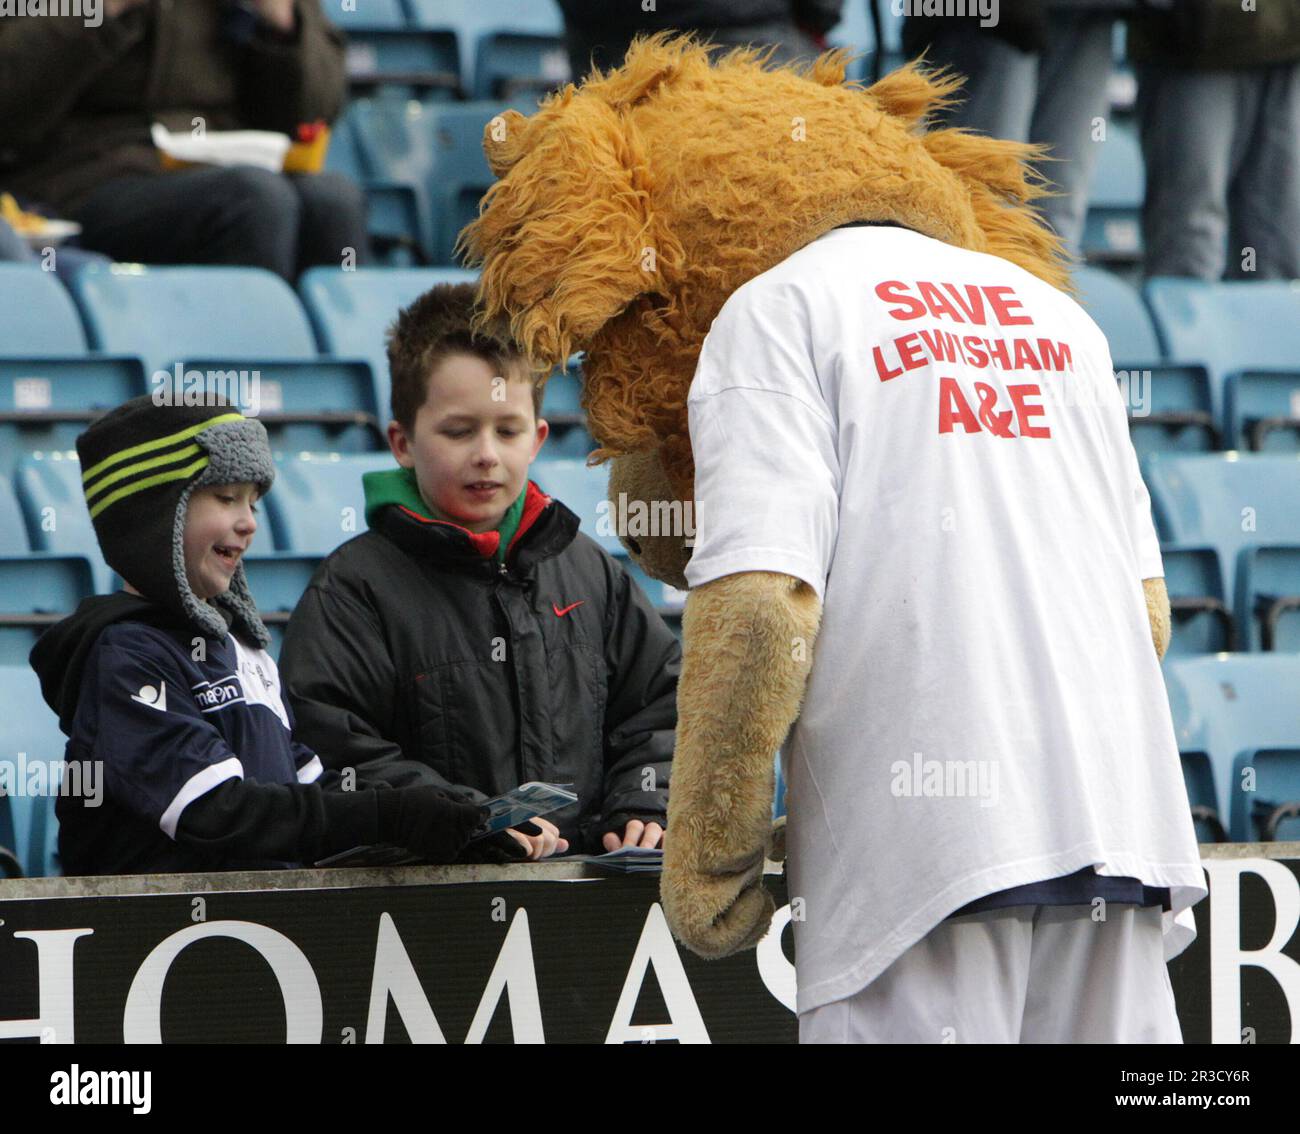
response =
{"points": [[139, 466]]}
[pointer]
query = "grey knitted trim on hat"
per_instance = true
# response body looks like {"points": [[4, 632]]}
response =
{"points": [[238, 453]]}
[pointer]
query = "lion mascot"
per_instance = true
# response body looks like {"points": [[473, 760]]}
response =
{"points": [[920, 558]]}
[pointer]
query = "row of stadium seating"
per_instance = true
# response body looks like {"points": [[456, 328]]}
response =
{"points": [[1236, 728], [1230, 527], [421, 162], [1206, 366]]}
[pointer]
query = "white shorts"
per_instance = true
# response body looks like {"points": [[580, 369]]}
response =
{"points": [[1025, 974]]}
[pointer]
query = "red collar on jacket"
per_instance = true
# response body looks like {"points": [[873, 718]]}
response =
{"points": [[486, 543]]}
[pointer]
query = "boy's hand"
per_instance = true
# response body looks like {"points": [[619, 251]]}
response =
{"points": [[430, 823], [635, 834], [544, 844]]}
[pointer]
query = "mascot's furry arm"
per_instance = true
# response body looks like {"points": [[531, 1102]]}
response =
{"points": [[749, 652]]}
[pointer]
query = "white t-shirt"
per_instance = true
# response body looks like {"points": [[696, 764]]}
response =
{"points": [[933, 439]]}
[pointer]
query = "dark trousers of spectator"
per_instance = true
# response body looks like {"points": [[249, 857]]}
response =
{"points": [[1222, 153], [285, 223], [1053, 99]]}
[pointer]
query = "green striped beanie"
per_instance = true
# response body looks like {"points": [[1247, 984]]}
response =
{"points": [[139, 466]]}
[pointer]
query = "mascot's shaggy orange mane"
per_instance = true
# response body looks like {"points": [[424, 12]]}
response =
{"points": [[630, 208]]}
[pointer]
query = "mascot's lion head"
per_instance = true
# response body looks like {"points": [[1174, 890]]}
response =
{"points": [[628, 209]]}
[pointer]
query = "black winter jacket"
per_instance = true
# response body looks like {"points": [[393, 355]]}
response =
{"points": [[413, 643]]}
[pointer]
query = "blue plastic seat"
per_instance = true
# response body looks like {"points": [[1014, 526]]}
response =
{"points": [[398, 215], [1236, 327], [1169, 403], [1232, 708], [583, 491], [435, 144], [352, 311], [27, 822], [1268, 597], [472, 20], [1117, 308], [403, 62], [1112, 230], [51, 386], [1202, 617], [1228, 501], [166, 315], [35, 591], [241, 333], [318, 501], [48, 488]]}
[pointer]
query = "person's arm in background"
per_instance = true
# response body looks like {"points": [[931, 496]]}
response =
{"points": [[46, 62], [293, 69], [644, 660], [343, 691]]}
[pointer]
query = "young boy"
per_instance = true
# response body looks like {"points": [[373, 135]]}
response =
{"points": [[169, 685], [473, 628]]}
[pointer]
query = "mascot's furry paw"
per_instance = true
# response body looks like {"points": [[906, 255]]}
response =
{"points": [[719, 911], [747, 652]]}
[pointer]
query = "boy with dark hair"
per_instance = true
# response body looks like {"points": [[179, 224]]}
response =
{"points": [[473, 627], [169, 686]]}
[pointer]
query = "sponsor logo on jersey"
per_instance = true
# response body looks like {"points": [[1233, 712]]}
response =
{"points": [[214, 695]]}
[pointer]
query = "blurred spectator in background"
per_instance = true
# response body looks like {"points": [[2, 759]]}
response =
{"points": [[1036, 75], [77, 104], [1219, 111], [598, 32]]}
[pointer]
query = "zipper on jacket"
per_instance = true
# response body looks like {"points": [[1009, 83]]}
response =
{"points": [[514, 674]]}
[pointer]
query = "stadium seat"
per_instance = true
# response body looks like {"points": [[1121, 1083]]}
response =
{"points": [[240, 332], [583, 491], [1116, 307], [437, 145], [1228, 501], [1268, 597], [318, 501], [48, 488], [512, 64], [13, 528], [51, 386], [403, 63], [277, 581], [1233, 708], [1248, 334], [474, 22], [1169, 403], [352, 311], [398, 216], [37, 590], [170, 314], [27, 822], [1202, 619], [1112, 231]]}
